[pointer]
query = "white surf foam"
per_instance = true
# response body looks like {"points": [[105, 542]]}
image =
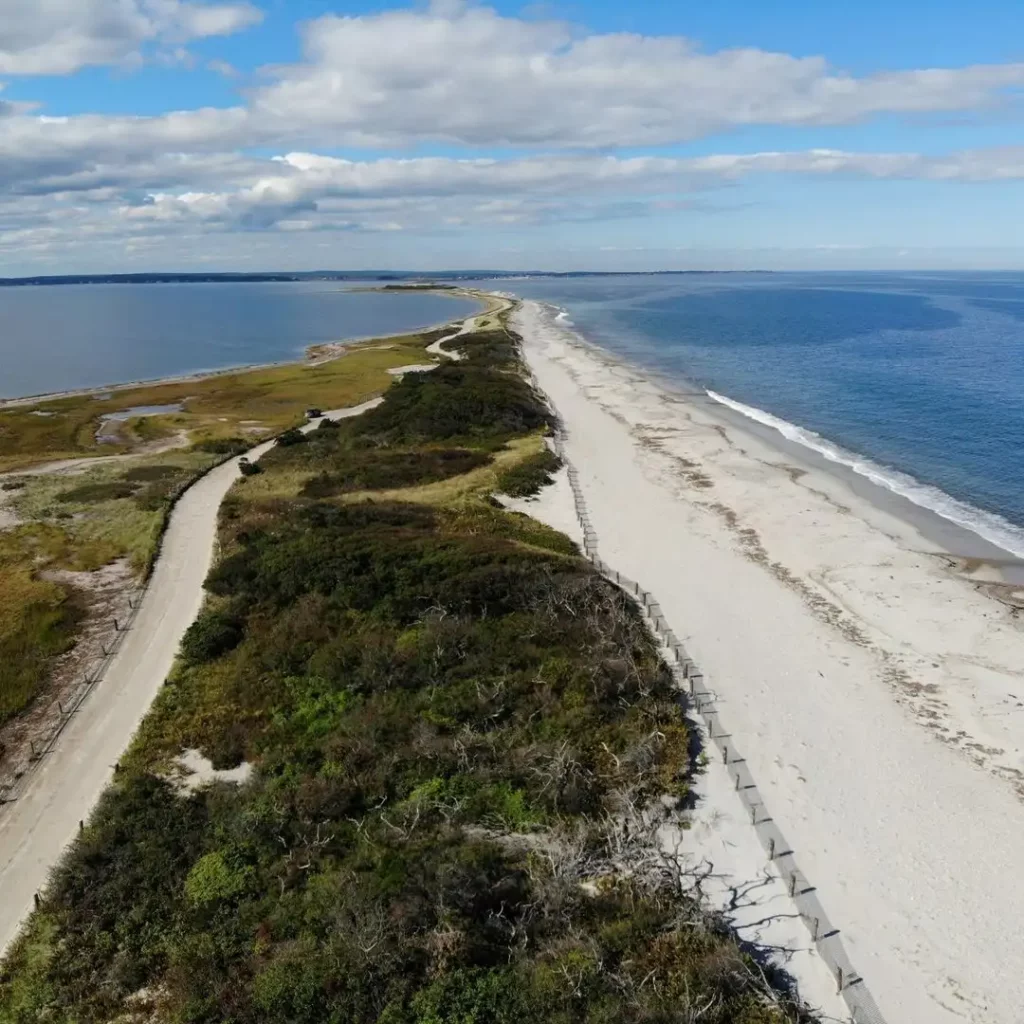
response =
{"points": [[987, 525]]}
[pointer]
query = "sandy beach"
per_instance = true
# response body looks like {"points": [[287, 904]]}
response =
{"points": [[873, 679]]}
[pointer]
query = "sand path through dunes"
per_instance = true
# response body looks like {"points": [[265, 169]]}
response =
{"points": [[64, 788], [846, 661]]}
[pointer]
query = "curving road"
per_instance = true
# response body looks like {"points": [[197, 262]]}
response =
{"points": [[36, 828]]}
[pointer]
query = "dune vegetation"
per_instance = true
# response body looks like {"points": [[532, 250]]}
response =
{"points": [[69, 525], [463, 739], [252, 403], [115, 508]]}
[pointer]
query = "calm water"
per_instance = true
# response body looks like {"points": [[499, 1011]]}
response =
{"points": [[921, 374], [81, 336]]}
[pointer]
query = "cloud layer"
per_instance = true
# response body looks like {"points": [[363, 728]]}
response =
{"points": [[467, 75], [537, 113], [58, 37]]}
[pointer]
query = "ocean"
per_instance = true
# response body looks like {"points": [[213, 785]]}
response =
{"points": [[913, 381], [57, 338]]}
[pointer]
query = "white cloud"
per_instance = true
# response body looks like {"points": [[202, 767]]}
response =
{"points": [[58, 37], [303, 192], [464, 74], [404, 80]]}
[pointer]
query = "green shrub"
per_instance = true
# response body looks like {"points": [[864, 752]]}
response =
{"points": [[89, 494], [223, 446], [359, 469], [291, 437], [455, 401], [157, 495], [148, 474], [526, 478], [213, 879], [210, 636]]}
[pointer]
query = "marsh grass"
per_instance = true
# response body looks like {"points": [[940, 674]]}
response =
{"points": [[214, 407]]}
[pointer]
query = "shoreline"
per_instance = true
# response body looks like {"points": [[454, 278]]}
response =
{"points": [[868, 683], [336, 350], [959, 541]]}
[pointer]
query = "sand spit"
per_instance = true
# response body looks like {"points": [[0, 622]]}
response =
{"points": [[869, 684]]}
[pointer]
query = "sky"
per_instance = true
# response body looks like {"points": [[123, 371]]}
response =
{"points": [[200, 135]]}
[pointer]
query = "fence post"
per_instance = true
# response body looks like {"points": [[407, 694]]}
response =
{"points": [[792, 883], [839, 979], [817, 923], [753, 814], [725, 754], [771, 848]]}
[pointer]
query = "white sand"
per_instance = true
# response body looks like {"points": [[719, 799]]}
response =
{"points": [[199, 772], [751, 894], [437, 349], [401, 371], [553, 506], [35, 828], [866, 683]]}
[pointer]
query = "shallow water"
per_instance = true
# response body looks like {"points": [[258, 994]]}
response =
{"points": [[914, 381], [66, 337]]}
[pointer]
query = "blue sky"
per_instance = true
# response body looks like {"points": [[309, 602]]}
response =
{"points": [[303, 134]]}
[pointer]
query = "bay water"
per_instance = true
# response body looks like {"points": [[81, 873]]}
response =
{"points": [[66, 337]]}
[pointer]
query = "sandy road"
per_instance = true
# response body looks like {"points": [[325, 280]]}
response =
{"points": [[36, 828]]}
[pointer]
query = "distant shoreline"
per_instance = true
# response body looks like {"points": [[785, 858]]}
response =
{"points": [[314, 354], [420, 280]]}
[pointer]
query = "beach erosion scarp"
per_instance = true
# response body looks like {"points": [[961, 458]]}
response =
{"points": [[867, 683]]}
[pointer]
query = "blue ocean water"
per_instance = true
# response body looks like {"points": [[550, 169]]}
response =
{"points": [[913, 380], [64, 337]]}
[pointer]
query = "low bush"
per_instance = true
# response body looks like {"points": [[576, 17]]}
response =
{"points": [[291, 437], [526, 478], [148, 474], [455, 401], [89, 494], [210, 636], [157, 495], [359, 470], [223, 446]]}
